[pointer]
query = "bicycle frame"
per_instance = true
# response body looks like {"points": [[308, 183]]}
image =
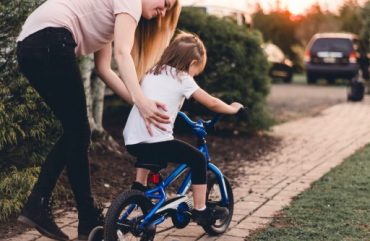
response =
{"points": [[159, 193]]}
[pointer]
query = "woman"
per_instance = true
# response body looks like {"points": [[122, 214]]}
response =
{"points": [[51, 38]]}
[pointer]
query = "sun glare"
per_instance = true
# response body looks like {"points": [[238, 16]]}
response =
{"points": [[296, 7]]}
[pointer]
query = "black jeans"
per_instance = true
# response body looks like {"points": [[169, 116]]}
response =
{"points": [[154, 156], [48, 61]]}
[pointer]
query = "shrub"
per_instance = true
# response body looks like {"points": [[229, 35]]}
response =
{"points": [[27, 127], [237, 68], [14, 189]]}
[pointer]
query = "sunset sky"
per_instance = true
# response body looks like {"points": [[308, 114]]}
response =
{"points": [[294, 6]]}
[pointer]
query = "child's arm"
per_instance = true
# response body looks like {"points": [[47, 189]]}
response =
{"points": [[215, 104]]}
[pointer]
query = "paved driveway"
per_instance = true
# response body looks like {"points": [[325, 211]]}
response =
{"points": [[293, 101]]}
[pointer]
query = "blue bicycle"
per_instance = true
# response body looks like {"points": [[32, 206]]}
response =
{"points": [[134, 215]]}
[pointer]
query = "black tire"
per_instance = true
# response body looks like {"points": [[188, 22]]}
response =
{"points": [[213, 197], [97, 234], [331, 80], [288, 79], [115, 211], [356, 91], [311, 79]]}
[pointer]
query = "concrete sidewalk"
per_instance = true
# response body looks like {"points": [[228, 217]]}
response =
{"points": [[311, 147]]}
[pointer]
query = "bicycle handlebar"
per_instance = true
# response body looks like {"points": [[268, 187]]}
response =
{"points": [[242, 113], [187, 119]]}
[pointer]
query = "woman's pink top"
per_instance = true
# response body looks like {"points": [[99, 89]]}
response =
{"points": [[91, 22]]}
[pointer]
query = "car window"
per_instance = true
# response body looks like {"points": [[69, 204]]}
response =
{"points": [[273, 52], [332, 45]]}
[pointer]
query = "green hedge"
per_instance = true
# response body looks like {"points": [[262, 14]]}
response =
{"points": [[15, 187], [27, 127], [237, 69]]}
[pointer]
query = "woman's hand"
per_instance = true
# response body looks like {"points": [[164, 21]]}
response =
{"points": [[151, 112]]}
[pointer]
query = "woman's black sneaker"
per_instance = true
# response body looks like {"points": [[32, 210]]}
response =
{"points": [[209, 215], [89, 217], [37, 214]]}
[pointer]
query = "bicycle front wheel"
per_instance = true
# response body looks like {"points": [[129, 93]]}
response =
{"points": [[124, 217], [213, 197]]}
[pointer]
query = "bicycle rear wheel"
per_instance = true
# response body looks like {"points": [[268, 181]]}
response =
{"points": [[124, 217], [213, 197]]}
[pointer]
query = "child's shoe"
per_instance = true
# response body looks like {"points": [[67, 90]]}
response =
{"points": [[138, 186], [209, 215]]}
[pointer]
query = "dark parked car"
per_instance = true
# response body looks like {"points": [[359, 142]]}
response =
{"points": [[332, 56], [281, 67]]}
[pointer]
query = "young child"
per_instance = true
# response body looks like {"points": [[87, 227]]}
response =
{"points": [[171, 81]]}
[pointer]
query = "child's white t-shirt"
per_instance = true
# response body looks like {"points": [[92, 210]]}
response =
{"points": [[169, 88]]}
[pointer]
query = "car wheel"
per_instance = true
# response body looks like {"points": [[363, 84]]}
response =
{"points": [[331, 80], [311, 79], [288, 79]]}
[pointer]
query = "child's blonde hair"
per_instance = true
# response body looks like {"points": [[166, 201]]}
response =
{"points": [[185, 48]]}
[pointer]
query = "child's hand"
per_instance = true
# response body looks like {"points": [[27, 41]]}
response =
{"points": [[237, 106]]}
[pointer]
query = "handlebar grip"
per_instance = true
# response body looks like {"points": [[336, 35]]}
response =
{"points": [[243, 113]]}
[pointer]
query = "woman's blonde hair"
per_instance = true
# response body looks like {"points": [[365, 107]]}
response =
{"points": [[185, 48], [152, 37]]}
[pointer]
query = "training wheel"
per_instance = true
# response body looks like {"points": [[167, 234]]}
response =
{"points": [[97, 234]]}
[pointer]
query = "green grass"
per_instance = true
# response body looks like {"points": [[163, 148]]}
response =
{"points": [[299, 79], [337, 207]]}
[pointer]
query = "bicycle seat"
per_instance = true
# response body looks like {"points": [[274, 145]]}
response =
{"points": [[153, 167]]}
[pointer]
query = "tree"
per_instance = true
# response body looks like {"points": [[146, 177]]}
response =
{"points": [[279, 28], [316, 21], [365, 31], [350, 15], [365, 37], [95, 92]]}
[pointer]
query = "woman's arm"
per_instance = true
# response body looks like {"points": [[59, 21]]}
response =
{"points": [[215, 104], [124, 33], [102, 60]]}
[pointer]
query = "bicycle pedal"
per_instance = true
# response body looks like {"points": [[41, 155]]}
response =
{"points": [[190, 204], [150, 228]]}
